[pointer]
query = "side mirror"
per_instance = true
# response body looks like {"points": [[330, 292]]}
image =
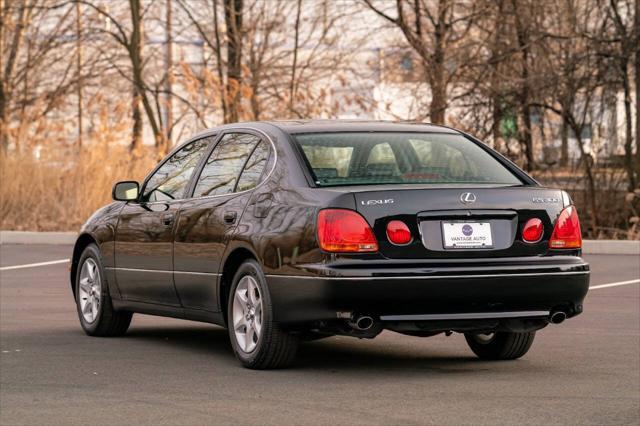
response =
{"points": [[127, 190]]}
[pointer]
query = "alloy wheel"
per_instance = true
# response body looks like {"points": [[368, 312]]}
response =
{"points": [[247, 313], [89, 290]]}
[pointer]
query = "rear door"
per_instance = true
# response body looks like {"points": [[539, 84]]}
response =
{"points": [[209, 218]]}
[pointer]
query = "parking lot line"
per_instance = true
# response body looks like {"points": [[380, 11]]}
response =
{"points": [[33, 265], [616, 284]]}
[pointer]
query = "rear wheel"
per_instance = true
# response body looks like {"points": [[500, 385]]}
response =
{"points": [[93, 302], [258, 342], [500, 345]]}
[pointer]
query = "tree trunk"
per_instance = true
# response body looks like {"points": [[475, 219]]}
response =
{"points": [[628, 143], [497, 119], [136, 115], [437, 75], [294, 65], [168, 79], [496, 89], [140, 93], [4, 119], [79, 72], [431, 52], [219, 65], [591, 186], [135, 53], [524, 136], [233, 18], [256, 71], [564, 149], [4, 141], [7, 69], [637, 80]]}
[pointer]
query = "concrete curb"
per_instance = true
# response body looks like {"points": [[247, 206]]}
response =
{"points": [[611, 247], [32, 237]]}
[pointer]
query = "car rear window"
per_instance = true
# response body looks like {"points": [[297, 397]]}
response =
{"points": [[356, 158]]}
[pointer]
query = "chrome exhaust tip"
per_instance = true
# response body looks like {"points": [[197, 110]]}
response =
{"points": [[557, 317], [362, 323]]}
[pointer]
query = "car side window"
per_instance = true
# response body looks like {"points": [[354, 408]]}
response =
{"points": [[254, 169], [223, 166], [170, 181]]}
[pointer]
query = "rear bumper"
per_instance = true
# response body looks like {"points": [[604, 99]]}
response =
{"points": [[404, 291]]}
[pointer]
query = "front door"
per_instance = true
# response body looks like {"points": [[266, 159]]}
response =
{"points": [[209, 218], [144, 236]]}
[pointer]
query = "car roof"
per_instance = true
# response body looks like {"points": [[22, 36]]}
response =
{"points": [[316, 126], [320, 126]]}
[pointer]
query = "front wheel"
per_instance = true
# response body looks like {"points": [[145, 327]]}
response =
{"points": [[93, 302], [500, 345], [258, 342]]}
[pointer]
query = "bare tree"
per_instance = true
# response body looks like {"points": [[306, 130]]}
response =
{"points": [[168, 76], [432, 29], [12, 23], [296, 45], [229, 72], [572, 83], [79, 72], [143, 93], [233, 19], [524, 14], [281, 72], [35, 75], [636, 42], [620, 49]]}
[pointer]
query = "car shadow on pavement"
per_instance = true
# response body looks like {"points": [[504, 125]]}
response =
{"points": [[195, 339], [334, 354], [338, 355]]}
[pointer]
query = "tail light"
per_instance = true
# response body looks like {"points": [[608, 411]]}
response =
{"points": [[398, 232], [566, 233], [532, 231], [345, 231]]}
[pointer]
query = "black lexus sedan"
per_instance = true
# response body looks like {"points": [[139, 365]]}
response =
{"points": [[291, 231]]}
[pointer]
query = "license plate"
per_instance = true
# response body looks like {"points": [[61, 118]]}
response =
{"points": [[466, 235]]}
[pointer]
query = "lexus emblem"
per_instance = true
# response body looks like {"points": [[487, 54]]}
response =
{"points": [[467, 198]]}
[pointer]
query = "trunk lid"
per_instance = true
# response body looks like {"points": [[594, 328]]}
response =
{"points": [[499, 211]]}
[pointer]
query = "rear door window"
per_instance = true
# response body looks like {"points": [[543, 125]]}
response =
{"points": [[222, 169], [254, 170]]}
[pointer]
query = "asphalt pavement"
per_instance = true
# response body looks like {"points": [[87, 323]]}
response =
{"points": [[169, 371]]}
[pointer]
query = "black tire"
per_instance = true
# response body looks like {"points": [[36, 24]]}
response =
{"points": [[502, 346], [107, 322], [275, 348]]}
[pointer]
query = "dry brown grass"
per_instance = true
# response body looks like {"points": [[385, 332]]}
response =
{"points": [[59, 190], [62, 188]]}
